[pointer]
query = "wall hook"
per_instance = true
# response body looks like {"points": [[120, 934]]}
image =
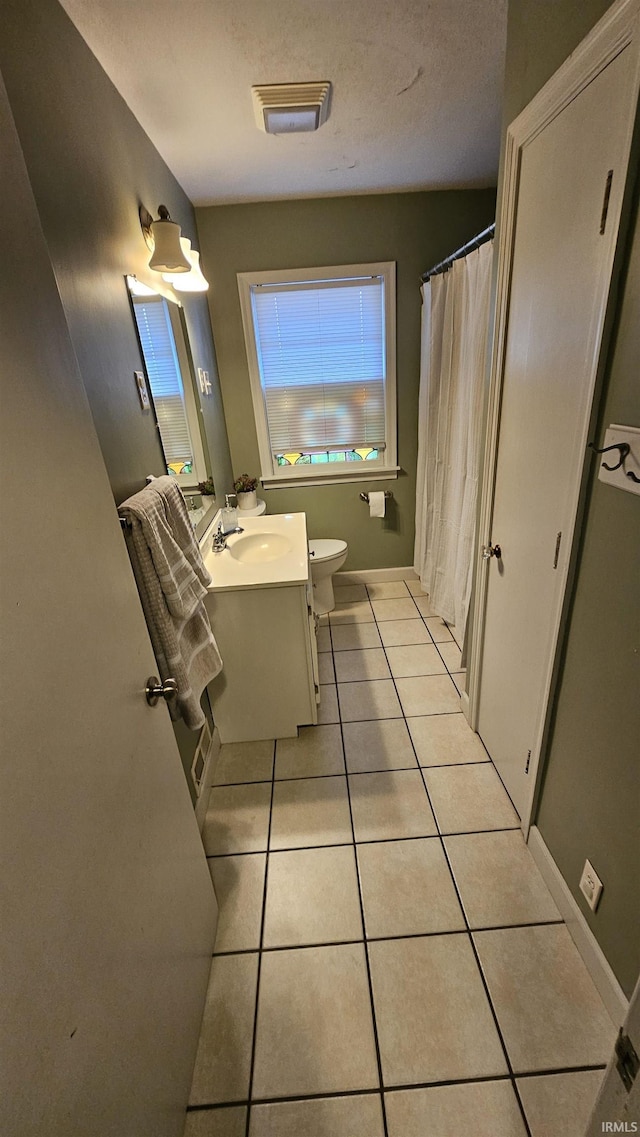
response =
{"points": [[623, 447]]}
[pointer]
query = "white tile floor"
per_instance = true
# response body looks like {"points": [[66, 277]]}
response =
{"points": [[389, 962]]}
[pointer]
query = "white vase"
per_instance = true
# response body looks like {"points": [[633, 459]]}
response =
{"points": [[248, 500]]}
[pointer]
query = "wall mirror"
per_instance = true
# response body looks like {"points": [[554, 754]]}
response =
{"points": [[170, 377]]}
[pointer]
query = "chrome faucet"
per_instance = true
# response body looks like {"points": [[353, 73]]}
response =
{"points": [[220, 537]]}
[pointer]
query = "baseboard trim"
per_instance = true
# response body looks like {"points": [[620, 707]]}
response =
{"points": [[594, 959], [464, 705], [374, 576], [210, 763]]}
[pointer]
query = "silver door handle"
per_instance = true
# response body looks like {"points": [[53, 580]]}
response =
{"points": [[155, 690], [489, 551]]}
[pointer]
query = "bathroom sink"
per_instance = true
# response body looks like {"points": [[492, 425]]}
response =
{"points": [[271, 552], [259, 548]]}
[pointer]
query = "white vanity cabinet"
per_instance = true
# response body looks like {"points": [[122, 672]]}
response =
{"points": [[262, 618]]}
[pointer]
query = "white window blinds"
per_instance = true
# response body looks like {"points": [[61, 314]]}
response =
{"points": [[163, 369], [321, 355]]}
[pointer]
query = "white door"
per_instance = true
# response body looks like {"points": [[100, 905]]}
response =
{"points": [[107, 907], [618, 1103], [560, 274]]}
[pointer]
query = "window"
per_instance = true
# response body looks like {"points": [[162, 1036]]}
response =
{"points": [[165, 354], [321, 353]]}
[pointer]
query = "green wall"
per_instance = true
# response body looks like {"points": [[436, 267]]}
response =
{"points": [[91, 165], [413, 229], [540, 36], [590, 803]]}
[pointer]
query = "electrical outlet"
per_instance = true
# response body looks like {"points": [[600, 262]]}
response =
{"points": [[590, 885]]}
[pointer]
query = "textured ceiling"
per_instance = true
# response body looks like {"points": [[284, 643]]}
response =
{"points": [[416, 90]]}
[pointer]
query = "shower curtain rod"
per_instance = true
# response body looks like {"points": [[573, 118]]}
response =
{"points": [[474, 243]]}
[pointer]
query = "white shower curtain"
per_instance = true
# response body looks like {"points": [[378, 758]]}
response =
{"points": [[455, 321]]}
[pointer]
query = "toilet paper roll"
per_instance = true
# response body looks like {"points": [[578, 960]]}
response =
{"points": [[376, 504]]}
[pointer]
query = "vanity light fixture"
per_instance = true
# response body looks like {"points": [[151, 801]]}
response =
{"points": [[193, 281], [163, 238], [291, 108]]}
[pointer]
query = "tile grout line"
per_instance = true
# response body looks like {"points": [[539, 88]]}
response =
{"points": [[369, 840], [560, 1070], [480, 971], [207, 1107], [464, 916], [435, 714], [404, 720], [354, 773], [364, 942], [491, 1078], [500, 1035], [262, 923], [385, 939]]}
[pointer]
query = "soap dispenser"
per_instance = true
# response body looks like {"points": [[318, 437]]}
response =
{"points": [[230, 512]]}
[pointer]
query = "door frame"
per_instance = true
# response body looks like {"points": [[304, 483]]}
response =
{"points": [[618, 29]]}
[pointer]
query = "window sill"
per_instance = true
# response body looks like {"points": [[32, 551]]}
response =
{"points": [[288, 481]]}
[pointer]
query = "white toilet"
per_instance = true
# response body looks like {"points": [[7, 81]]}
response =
{"points": [[326, 557]]}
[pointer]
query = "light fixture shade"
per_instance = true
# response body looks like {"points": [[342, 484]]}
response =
{"points": [[168, 254], [193, 281]]}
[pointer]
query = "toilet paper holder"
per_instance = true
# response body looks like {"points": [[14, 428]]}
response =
{"points": [[365, 496]]}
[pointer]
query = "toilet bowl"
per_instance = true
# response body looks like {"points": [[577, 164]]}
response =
{"points": [[326, 557]]}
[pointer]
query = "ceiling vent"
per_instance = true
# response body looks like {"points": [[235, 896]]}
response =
{"points": [[291, 108]]}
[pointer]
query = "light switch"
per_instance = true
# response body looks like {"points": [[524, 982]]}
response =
{"points": [[620, 477], [143, 393]]}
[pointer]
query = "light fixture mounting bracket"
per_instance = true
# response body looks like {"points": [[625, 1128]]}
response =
{"points": [[146, 221]]}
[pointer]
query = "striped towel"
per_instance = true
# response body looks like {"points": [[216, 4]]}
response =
{"points": [[172, 581]]}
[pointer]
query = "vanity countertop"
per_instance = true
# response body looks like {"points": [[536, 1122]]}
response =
{"points": [[287, 533]]}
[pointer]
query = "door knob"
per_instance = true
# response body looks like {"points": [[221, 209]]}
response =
{"points": [[489, 551], [155, 690]]}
